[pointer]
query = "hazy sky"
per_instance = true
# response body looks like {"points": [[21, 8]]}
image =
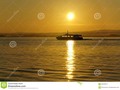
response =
{"points": [[50, 15]]}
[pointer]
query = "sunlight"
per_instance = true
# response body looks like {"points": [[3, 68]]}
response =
{"points": [[70, 52], [70, 59], [70, 16]]}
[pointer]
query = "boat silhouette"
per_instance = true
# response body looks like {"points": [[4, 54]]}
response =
{"points": [[68, 36]]}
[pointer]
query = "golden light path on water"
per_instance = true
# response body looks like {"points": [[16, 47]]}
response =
{"points": [[70, 59]]}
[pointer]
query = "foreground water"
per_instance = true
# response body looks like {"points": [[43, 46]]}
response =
{"points": [[47, 59]]}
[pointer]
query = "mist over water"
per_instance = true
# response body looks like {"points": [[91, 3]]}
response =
{"points": [[86, 60]]}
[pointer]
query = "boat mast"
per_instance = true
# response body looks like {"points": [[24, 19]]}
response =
{"points": [[67, 32]]}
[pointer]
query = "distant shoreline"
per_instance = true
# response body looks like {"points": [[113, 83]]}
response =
{"points": [[46, 36], [99, 33], [52, 35]]}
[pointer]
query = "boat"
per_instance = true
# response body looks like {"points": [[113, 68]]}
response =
{"points": [[68, 36]]}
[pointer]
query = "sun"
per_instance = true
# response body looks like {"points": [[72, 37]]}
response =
{"points": [[70, 16]]}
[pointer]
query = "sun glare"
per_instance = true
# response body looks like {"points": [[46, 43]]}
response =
{"points": [[70, 16], [70, 59]]}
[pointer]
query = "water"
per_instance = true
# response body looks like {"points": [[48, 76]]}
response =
{"points": [[47, 59]]}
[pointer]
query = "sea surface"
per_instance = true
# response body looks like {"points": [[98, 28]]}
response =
{"points": [[48, 59]]}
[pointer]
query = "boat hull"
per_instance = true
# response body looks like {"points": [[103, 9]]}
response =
{"points": [[69, 38]]}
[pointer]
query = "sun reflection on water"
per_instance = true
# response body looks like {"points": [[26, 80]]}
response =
{"points": [[70, 59]]}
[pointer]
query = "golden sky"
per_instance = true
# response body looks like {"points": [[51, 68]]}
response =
{"points": [[44, 16]]}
